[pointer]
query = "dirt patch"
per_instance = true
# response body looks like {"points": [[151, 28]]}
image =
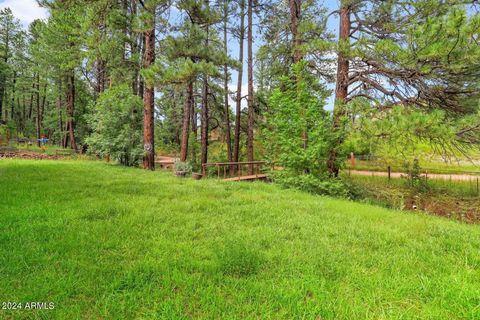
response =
{"points": [[464, 209], [398, 175], [439, 203], [29, 155]]}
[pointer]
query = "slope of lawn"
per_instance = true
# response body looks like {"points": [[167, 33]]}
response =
{"points": [[106, 242]]}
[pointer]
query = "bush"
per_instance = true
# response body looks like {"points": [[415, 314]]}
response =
{"points": [[183, 167], [117, 126], [414, 176], [313, 184]]}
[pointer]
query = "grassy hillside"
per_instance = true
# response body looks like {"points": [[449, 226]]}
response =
{"points": [[106, 242]]}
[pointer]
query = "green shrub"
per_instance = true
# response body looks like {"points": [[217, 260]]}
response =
{"points": [[414, 176], [116, 122], [322, 185], [183, 167]]}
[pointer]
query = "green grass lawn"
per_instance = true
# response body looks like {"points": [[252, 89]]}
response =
{"points": [[106, 242]]}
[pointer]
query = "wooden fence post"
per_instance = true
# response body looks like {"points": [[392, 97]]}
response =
{"points": [[389, 169]]}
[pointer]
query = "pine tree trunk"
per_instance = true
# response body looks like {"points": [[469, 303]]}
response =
{"points": [[65, 137], [30, 109], [194, 125], [205, 112], [100, 76], [238, 109], [228, 137], [186, 121], [44, 99], [3, 78], [2, 81], [341, 90], [71, 110], [13, 93], [148, 98], [137, 47], [204, 117], [295, 12], [59, 111], [295, 16], [176, 123], [24, 113], [194, 118], [141, 83], [38, 118], [251, 111]]}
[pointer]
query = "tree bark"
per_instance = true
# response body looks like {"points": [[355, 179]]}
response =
{"points": [[65, 138], [13, 94], [186, 121], [44, 100], [341, 90], [100, 76], [205, 112], [148, 97], [204, 117], [176, 123], [30, 109], [2, 81], [24, 113], [38, 118], [3, 77], [194, 118], [59, 110], [141, 83], [251, 111], [295, 18], [238, 109], [295, 14], [71, 109], [194, 124], [228, 137]]}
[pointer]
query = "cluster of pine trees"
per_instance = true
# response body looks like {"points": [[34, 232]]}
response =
{"points": [[123, 77]]}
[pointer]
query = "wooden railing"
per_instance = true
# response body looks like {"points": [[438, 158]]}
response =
{"points": [[234, 168]]}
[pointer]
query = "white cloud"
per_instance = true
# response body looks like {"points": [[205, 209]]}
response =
{"points": [[25, 10]]}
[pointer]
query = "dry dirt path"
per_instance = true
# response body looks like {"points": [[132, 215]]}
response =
{"points": [[439, 176]]}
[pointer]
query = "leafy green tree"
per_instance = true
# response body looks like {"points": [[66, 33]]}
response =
{"points": [[298, 106], [117, 126]]}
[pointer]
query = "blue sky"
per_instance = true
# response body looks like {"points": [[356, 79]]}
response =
{"points": [[28, 10], [332, 25]]}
